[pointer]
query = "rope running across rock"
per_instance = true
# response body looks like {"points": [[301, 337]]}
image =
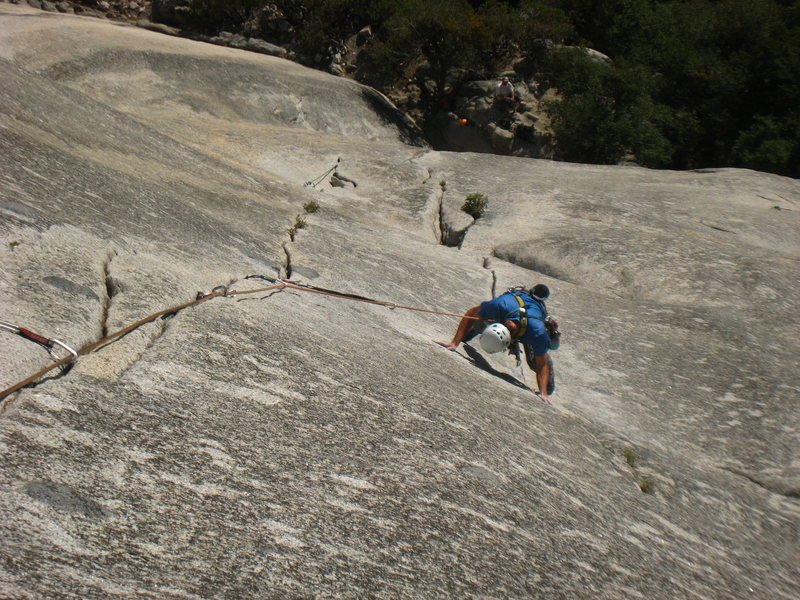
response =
{"points": [[279, 284]]}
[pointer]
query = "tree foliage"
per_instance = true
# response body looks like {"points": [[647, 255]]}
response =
{"points": [[321, 22], [693, 83], [446, 33], [214, 16], [606, 113], [727, 74]]}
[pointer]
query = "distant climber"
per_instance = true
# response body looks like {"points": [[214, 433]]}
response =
{"points": [[505, 95], [518, 316], [339, 180]]}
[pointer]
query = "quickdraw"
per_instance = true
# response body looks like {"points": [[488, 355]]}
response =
{"points": [[317, 180], [46, 343], [63, 362]]}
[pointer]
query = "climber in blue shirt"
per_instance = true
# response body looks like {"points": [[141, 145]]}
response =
{"points": [[516, 316]]}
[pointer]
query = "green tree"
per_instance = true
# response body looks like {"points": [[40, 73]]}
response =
{"points": [[693, 83], [605, 113], [321, 22], [539, 20], [611, 26], [770, 145], [447, 33], [723, 73], [214, 16]]}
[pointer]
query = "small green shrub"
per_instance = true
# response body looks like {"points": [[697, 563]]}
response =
{"points": [[475, 205], [299, 223], [443, 185], [213, 16], [630, 457], [311, 206], [647, 485], [13, 245]]}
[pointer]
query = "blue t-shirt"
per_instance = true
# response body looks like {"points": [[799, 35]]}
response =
{"points": [[506, 307]]}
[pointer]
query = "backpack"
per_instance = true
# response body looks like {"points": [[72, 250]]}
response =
{"points": [[552, 331], [550, 324]]}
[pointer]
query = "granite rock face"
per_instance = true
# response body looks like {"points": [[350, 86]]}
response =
{"points": [[286, 444]]}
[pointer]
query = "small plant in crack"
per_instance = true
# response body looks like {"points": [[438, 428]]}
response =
{"points": [[311, 206], [299, 223], [443, 185], [13, 245], [647, 485], [630, 457], [475, 205]]}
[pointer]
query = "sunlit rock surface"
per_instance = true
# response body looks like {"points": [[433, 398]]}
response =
{"points": [[295, 445]]}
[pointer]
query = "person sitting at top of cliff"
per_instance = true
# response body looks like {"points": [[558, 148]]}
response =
{"points": [[505, 94], [516, 316]]}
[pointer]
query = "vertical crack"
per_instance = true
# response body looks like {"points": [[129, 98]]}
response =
{"points": [[460, 235], [288, 266], [447, 235], [487, 263], [452, 238], [440, 226], [111, 289], [301, 223]]}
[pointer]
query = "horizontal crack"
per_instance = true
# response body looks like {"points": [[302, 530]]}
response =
{"points": [[717, 227], [62, 371], [785, 486], [509, 254]]}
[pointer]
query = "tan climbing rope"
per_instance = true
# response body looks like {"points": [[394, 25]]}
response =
{"points": [[279, 284]]}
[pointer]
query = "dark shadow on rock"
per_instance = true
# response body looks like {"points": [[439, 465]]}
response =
{"points": [[272, 293], [71, 287], [479, 361], [19, 209], [786, 482], [409, 134], [305, 272], [63, 497], [483, 474], [516, 255], [452, 237]]}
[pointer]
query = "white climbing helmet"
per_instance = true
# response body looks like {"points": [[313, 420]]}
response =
{"points": [[495, 338]]}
